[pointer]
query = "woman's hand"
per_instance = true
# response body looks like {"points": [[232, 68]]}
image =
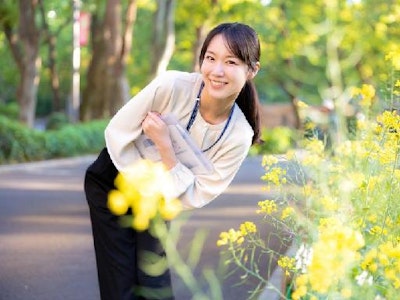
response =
{"points": [[156, 129]]}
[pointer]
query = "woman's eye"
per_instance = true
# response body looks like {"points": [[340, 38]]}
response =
{"points": [[208, 57], [232, 62]]}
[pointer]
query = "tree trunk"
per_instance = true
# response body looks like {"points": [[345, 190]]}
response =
{"points": [[289, 62], [200, 35], [52, 58], [25, 50], [163, 36], [107, 88]]}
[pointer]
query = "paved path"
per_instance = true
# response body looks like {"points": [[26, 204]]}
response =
{"points": [[46, 247]]}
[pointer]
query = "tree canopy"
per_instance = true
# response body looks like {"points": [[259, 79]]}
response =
{"points": [[310, 48]]}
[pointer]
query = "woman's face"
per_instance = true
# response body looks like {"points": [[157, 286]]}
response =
{"points": [[223, 73]]}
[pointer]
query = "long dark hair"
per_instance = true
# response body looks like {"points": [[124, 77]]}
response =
{"points": [[243, 41]]}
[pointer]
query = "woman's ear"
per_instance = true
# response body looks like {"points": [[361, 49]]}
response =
{"points": [[253, 72]]}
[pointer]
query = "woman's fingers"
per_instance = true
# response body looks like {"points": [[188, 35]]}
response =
{"points": [[152, 118], [153, 125]]}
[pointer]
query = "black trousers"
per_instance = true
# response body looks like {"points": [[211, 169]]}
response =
{"points": [[118, 249]]}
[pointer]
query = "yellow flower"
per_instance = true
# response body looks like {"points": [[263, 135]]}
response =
{"points": [[117, 203], [394, 57], [373, 267], [334, 253], [346, 293], [362, 125], [141, 222], [367, 93], [269, 160], [378, 230], [328, 223], [223, 239], [248, 227], [300, 287], [329, 203], [275, 176], [369, 260], [267, 206], [373, 218], [145, 188], [230, 237], [301, 104], [287, 263], [290, 154], [389, 120], [287, 212], [309, 125], [315, 146], [308, 190], [170, 209]]}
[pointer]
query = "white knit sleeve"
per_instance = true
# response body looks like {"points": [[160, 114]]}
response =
{"points": [[198, 190], [126, 125]]}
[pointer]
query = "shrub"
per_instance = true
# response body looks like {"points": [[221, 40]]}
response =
{"points": [[57, 121], [275, 141], [73, 140], [18, 143], [10, 110], [21, 144]]}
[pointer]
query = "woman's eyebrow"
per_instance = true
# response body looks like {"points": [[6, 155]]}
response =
{"points": [[230, 55]]}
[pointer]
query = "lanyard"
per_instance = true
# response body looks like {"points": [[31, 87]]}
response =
{"points": [[194, 114]]}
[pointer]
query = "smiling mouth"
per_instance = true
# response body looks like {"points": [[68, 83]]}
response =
{"points": [[216, 83]]}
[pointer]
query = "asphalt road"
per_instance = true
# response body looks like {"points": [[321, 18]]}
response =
{"points": [[46, 247]]}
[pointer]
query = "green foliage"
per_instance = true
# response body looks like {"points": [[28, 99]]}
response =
{"points": [[18, 143], [21, 144], [56, 121], [275, 141], [11, 110], [72, 140]]}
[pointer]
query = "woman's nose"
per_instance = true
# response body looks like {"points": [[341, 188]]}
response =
{"points": [[218, 68]]}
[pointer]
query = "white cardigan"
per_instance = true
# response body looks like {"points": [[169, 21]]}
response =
{"points": [[175, 92]]}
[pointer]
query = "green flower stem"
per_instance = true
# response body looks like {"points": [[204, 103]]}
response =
{"points": [[255, 274], [176, 261]]}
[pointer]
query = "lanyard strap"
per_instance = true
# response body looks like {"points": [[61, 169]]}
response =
{"points": [[194, 114]]}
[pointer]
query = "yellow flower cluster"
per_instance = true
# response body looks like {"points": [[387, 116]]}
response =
{"points": [[301, 104], [367, 94], [248, 227], [389, 122], [144, 188], [287, 212], [394, 58], [231, 236], [384, 261], [315, 146], [396, 89], [269, 160], [273, 174], [236, 237], [267, 207], [288, 264], [345, 211], [334, 253], [351, 149], [315, 152]]}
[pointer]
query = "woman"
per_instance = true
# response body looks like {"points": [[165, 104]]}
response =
{"points": [[219, 108]]}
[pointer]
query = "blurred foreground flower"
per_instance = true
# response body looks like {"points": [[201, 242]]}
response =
{"points": [[144, 191]]}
